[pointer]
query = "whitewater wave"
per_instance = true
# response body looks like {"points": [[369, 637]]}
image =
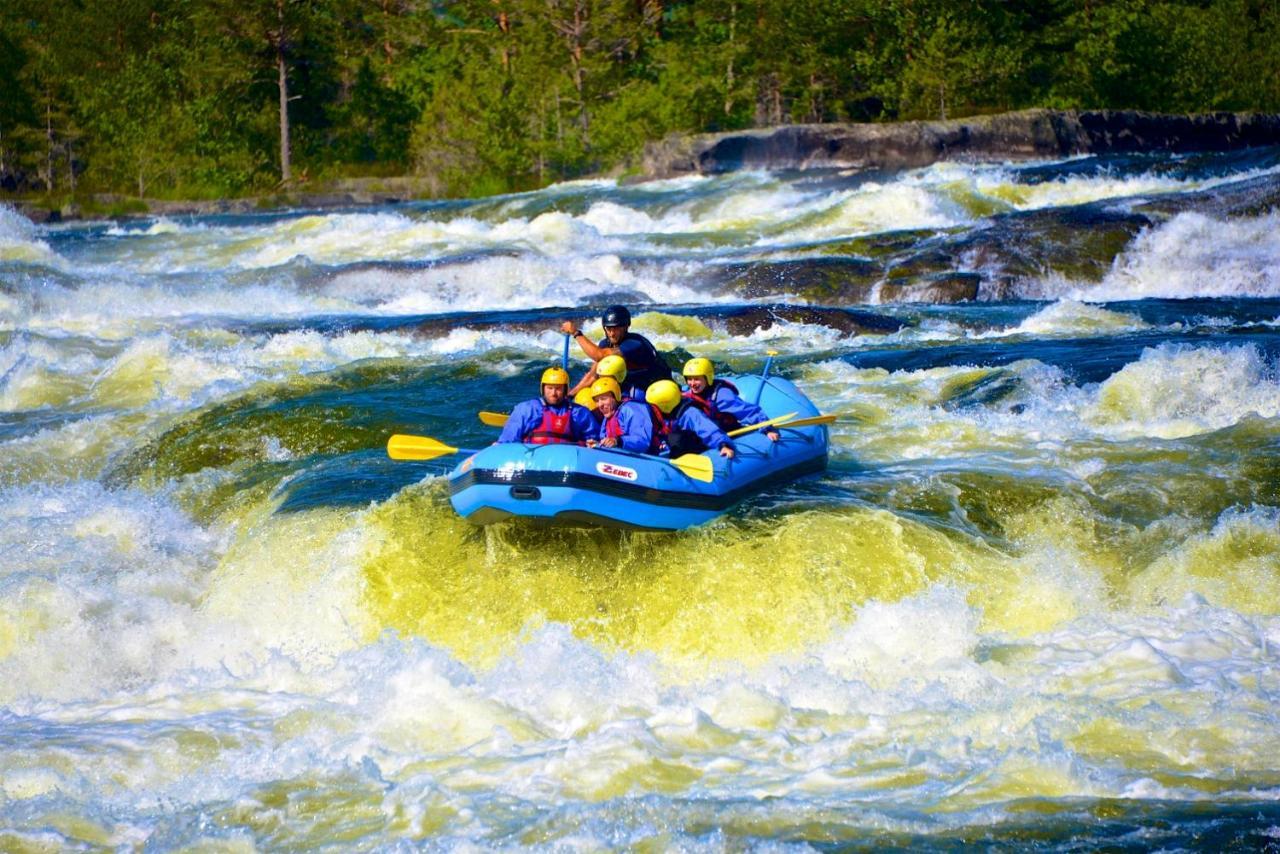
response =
{"points": [[19, 243], [1030, 409], [1175, 391], [1194, 255], [1067, 317]]}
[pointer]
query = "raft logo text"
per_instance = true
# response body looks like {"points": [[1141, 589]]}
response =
{"points": [[616, 471]]}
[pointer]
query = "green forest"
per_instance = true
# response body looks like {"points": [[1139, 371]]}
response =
{"points": [[213, 98]]}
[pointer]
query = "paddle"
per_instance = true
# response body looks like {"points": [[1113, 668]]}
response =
{"points": [[405, 447], [808, 422], [762, 424], [695, 466]]}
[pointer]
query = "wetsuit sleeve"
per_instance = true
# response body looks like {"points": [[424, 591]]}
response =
{"points": [[711, 435], [583, 423], [731, 404], [637, 429], [524, 417]]}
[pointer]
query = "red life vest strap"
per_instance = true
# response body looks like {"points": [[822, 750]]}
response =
{"points": [[708, 406], [555, 429]]}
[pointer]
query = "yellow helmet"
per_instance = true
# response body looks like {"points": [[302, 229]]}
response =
{"points": [[612, 366], [700, 368], [663, 394], [555, 376], [606, 385], [584, 398]]}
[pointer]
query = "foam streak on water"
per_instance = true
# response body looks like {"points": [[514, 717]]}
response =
{"points": [[1035, 600]]}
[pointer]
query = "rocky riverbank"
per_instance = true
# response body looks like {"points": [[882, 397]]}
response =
{"points": [[1029, 134], [346, 192]]}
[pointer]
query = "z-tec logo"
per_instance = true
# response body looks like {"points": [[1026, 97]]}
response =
{"points": [[616, 471]]}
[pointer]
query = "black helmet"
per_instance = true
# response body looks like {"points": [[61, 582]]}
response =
{"points": [[616, 315]]}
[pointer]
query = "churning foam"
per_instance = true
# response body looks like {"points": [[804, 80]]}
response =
{"points": [[1070, 318], [1031, 412], [1194, 255], [1176, 390], [18, 241]]}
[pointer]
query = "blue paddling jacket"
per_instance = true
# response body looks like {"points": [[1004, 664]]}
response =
{"points": [[722, 403], [535, 422], [687, 417], [632, 425]]}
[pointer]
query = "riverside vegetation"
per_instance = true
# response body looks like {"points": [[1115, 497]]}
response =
{"points": [[200, 99]]}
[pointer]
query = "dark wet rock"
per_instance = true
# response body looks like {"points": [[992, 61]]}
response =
{"points": [[832, 280], [748, 320], [889, 244], [39, 215], [1015, 252], [981, 391], [1251, 197], [1028, 134], [947, 287]]}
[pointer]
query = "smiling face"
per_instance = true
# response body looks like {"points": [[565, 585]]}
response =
{"points": [[554, 395], [606, 403], [615, 334], [697, 385]]}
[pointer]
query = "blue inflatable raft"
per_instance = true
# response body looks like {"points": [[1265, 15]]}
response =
{"points": [[575, 485]]}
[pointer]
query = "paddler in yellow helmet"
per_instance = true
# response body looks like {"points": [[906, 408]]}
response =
{"points": [[625, 423], [616, 368], [682, 425], [719, 399], [551, 418]]}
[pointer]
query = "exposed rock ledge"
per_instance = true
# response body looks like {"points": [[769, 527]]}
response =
{"points": [[1029, 134]]}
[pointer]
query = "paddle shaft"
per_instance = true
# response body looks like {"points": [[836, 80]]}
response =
{"points": [[764, 376], [772, 421]]}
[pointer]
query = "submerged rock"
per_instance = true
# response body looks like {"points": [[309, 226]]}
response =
{"points": [[844, 320], [826, 280], [946, 287]]}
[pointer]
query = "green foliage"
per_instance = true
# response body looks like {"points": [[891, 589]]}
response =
{"points": [[173, 98]]}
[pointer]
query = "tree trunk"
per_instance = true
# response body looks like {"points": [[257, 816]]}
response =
{"points": [[579, 75], [48, 135], [728, 76], [285, 169]]}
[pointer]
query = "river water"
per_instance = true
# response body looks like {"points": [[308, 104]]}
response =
{"points": [[1033, 603]]}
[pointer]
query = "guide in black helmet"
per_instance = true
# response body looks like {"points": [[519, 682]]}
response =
{"points": [[644, 365]]}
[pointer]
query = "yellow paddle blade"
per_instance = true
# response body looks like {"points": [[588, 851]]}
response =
{"points": [[762, 424], [494, 419], [696, 466], [813, 421], [403, 447]]}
